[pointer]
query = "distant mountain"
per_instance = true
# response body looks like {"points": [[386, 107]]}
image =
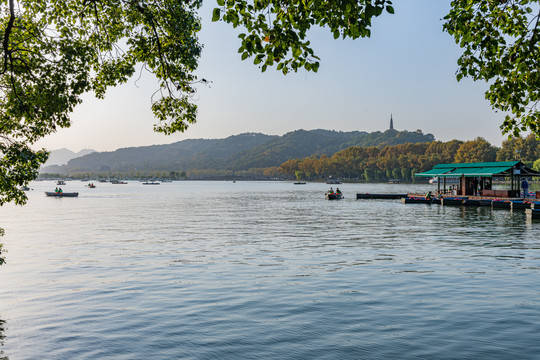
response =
{"points": [[62, 156], [239, 152]]}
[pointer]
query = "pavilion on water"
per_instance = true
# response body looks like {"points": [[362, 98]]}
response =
{"points": [[477, 178]]}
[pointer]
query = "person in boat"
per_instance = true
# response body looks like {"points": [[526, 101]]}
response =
{"points": [[60, 191], [338, 191], [429, 195], [56, 190], [331, 191]]}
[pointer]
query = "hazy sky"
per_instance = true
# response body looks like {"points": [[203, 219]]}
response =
{"points": [[407, 68]]}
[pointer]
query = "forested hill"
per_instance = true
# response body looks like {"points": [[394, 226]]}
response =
{"points": [[303, 143], [239, 152]]}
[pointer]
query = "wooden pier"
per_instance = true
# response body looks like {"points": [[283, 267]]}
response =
{"points": [[530, 205]]}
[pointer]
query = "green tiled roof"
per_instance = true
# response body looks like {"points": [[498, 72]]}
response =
{"points": [[471, 169]]}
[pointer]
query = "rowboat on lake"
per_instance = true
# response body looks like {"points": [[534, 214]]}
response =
{"points": [[330, 195], [61, 194], [150, 183]]}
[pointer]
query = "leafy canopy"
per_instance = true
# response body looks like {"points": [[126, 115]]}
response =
{"points": [[501, 45], [53, 51], [276, 30]]}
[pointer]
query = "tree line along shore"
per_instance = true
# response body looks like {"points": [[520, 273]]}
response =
{"points": [[355, 163]]}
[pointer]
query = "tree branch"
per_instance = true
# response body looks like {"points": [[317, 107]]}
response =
{"points": [[7, 33]]}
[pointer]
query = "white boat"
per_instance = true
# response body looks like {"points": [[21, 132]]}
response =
{"points": [[449, 180]]}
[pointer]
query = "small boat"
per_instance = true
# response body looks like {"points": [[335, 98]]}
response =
{"points": [[299, 183], [333, 196], [150, 183], [416, 200], [60, 182], [393, 181], [118, 182], [452, 201], [501, 204], [333, 181], [61, 194], [25, 188], [518, 204], [91, 186]]}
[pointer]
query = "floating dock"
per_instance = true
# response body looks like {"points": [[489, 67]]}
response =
{"points": [[532, 207], [380, 196]]}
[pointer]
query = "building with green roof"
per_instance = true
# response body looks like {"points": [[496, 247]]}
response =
{"points": [[476, 178]]}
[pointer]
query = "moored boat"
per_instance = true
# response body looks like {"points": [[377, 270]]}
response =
{"points": [[519, 205], [416, 200], [452, 201], [501, 204], [471, 202]]}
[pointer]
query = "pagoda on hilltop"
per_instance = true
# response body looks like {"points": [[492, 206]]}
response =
{"points": [[391, 123]]}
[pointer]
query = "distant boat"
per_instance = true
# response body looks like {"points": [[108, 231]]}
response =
{"points": [[25, 188], [150, 183], [299, 183], [333, 181], [91, 186], [393, 181], [61, 194], [118, 182], [60, 182]]}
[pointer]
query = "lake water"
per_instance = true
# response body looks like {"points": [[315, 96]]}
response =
{"points": [[264, 270]]}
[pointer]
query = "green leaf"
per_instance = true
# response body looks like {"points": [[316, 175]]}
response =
{"points": [[216, 14]]}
